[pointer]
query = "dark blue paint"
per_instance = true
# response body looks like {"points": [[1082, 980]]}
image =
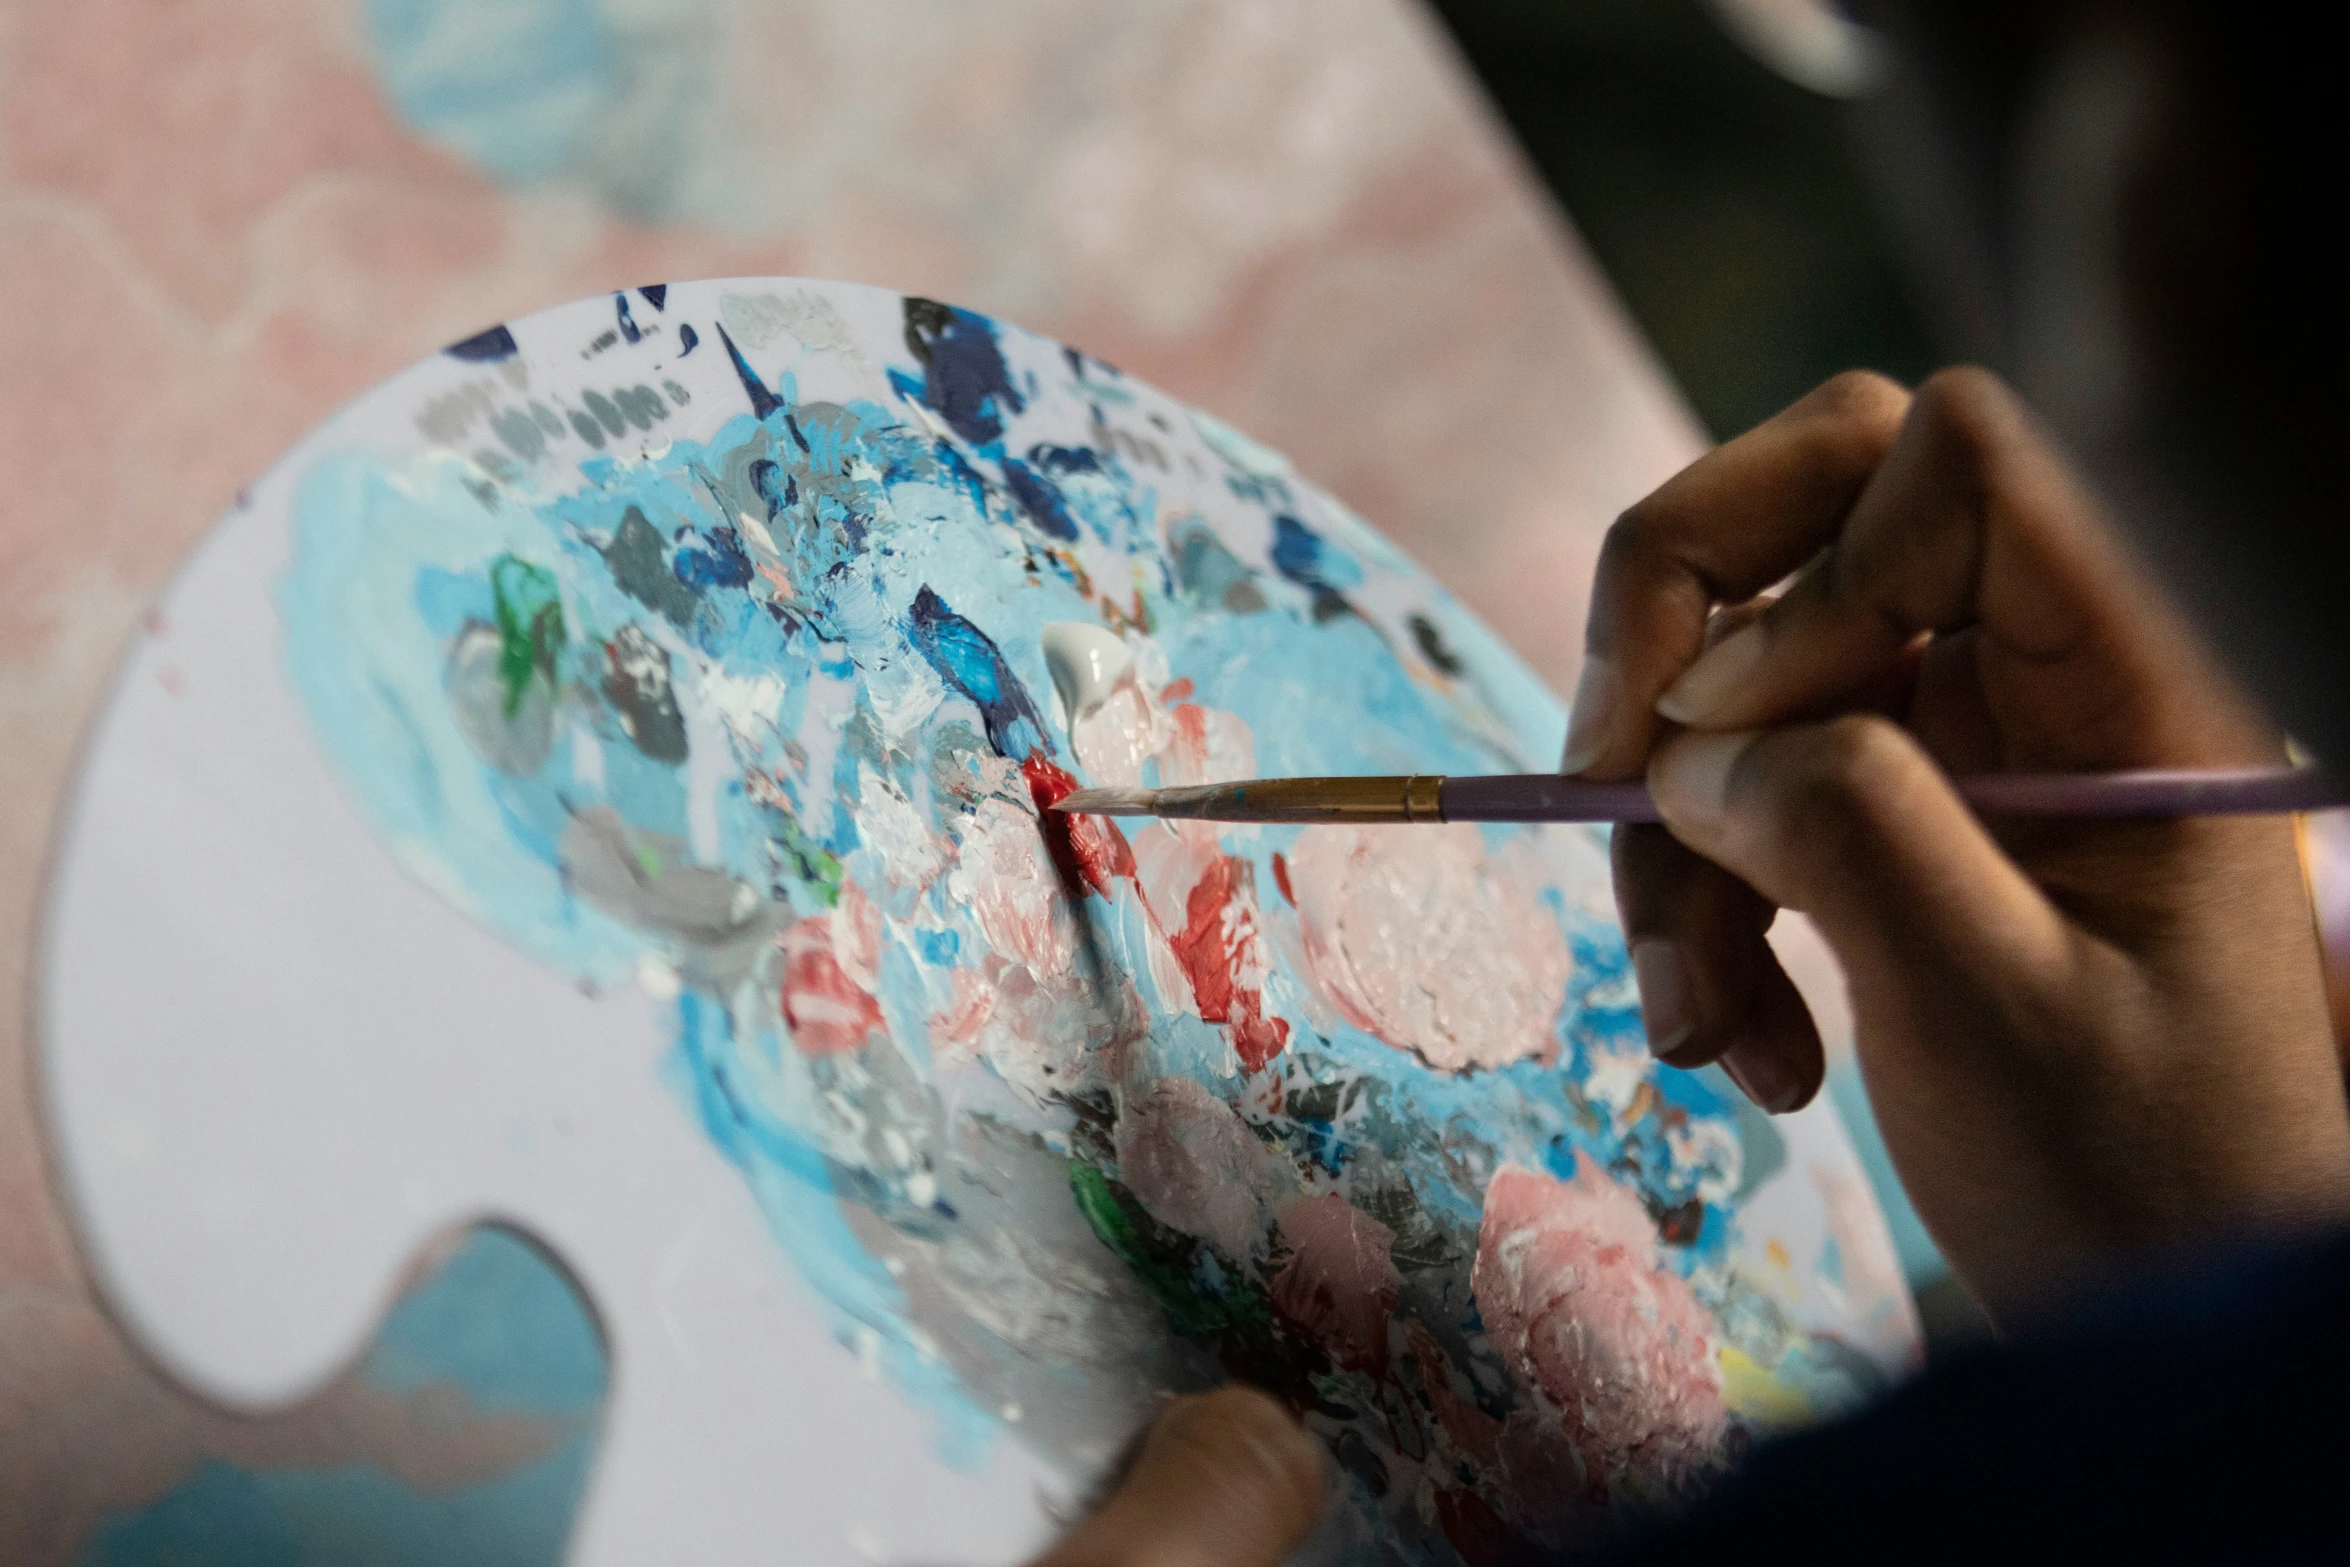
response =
{"points": [[484, 347], [1040, 500], [1307, 559], [722, 565], [965, 380], [690, 338], [763, 402], [656, 295], [628, 326], [1066, 459], [968, 661], [776, 487]]}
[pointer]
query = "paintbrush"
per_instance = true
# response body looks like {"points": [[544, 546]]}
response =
{"points": [[1547, 797]]}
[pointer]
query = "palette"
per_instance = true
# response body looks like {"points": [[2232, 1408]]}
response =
{"points": [[593, 784]]}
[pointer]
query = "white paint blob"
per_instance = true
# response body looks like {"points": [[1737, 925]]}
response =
{"points": [[1086, 663]]}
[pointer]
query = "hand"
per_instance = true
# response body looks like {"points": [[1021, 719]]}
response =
{"points": [[2082, 1039], [1226, 1479]]}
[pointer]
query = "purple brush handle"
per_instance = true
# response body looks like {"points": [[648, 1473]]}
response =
{"points": [[2249, 791]]}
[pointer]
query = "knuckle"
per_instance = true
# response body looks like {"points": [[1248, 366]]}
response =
{"points": [[1860, 395], [1631, 536], [1965, 409], [1639, 565], [1848, 422], [1839, 786]]}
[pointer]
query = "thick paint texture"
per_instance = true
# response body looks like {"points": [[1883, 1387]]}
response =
{"points": [[756, 709]]}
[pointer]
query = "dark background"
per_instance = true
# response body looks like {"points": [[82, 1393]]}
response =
{"points": [[1726, 203]]}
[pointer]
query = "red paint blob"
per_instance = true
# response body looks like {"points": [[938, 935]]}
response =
{"points": [[829, 1013], [1281, 878], [1211, 959], [1087, 850]]}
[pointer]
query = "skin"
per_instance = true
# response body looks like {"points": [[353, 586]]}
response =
{"points": [[2069, 1030], [2088, 1041], [1225, 1479]]}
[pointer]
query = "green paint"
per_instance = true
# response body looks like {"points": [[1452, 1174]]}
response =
{"points": [[818, 866], [1121, 1228], [649, 863], [530, 625]]}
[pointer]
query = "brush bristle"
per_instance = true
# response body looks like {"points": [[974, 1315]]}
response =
{"points": [[1108, 802]]}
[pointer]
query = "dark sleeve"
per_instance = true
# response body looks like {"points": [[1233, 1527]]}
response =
{"points": [[2202, 1414]]}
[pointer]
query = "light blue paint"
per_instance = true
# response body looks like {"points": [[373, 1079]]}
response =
{"points": [[350, 1516], [499, 1324], [501, 1321], [515, 87]]}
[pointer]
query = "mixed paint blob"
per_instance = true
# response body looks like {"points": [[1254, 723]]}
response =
{"points": [[747, 678]]}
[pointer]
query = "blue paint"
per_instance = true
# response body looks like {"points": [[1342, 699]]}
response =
{"points": [[449, 601], [722, 565], [656, 295], [1065, 459], [1039, 501], [484, 347], [627, 322], [689, 338], [501, 1329], [972, 665], [516, 88], [763, 402], [965, 380], [1308, 559]]}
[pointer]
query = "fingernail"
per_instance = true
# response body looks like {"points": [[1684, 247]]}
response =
{"points": [[1705, 686], [1596, 693], [1690, 777], [1762, 1077], [1668, 1002]]}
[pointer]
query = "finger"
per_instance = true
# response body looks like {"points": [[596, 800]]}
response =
{"points": [[1726, 527], [1971, 523], [1707, 976], [1851, 823], [1225, 1479], [1778, 1060]]}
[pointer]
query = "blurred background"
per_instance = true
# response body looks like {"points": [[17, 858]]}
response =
{"points": [[1488, 269]]}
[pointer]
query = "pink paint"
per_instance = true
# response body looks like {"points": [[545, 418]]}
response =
{"points": [[828, 1011], [856, 937], [1527, 1468], [1610, 1344], [1193, 1165], [1004, 873], [1420, 942], [1207, 745], [1222, 955], [1340, 1282], [1120, 733]]}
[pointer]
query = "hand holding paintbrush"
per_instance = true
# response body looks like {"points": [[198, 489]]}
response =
{"points": [[2035, 822]]}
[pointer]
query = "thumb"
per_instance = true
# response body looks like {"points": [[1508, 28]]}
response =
{"points": [[1850, 822], [1225, 1479]]}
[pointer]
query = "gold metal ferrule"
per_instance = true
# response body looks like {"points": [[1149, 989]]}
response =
{"points": [[1414, 799]]}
